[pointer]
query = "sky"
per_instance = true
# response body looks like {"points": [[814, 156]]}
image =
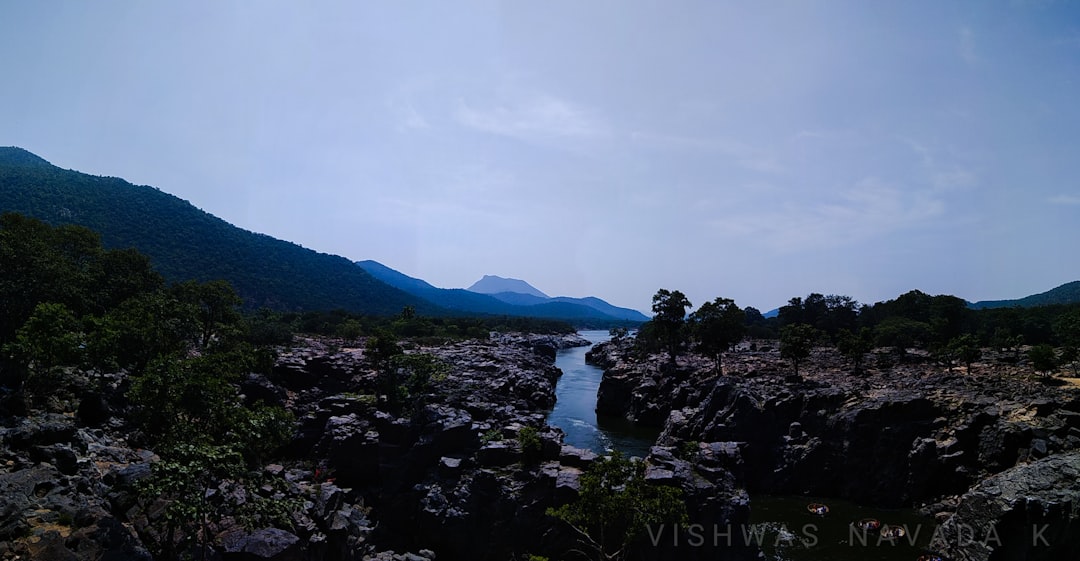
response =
{"points": [[749, 150]]}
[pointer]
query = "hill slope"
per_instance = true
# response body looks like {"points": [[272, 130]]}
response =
{"points": [[1068, 293], [184, 242], [473, 302]]}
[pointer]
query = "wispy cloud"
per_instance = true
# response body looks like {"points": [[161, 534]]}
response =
{"points": [[942, 176], [741, 153], [868, 210], [967, 46], [538, 116], [1064, 199]]}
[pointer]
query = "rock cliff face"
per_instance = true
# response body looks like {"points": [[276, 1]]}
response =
{"points": [[1031, 511], [449, 479], [906, 435]]}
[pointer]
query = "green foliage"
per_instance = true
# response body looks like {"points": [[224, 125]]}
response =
{"points": [[717, 326], [1071, 355], [796, 342], [64, 265], [491, 435], [689, 450], [855, 346], [413, 377], [215, 308], [900, 333], [669, 319], [966, 349], [1043, 359], [51, 337], [531, 446], [829, 314], [190, 410], [615, 507]]}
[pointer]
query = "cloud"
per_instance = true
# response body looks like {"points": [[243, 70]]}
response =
{"points": [[967, 46], [741, 153], [868, 210], [943, 177], [954, 178], [538, 116], [1064, 199]]}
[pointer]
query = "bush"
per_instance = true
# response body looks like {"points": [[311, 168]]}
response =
{"points": [[531, 446]]}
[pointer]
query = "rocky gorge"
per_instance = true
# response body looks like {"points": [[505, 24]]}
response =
{"points": [[452, 478], [992, 448]]}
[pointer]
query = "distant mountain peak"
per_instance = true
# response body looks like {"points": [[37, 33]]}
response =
{"points": [[493, 284]]}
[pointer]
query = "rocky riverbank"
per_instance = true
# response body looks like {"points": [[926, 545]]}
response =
{"points": [[449, 479], [909, 434]]}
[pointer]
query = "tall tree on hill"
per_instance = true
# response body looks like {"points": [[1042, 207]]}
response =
{"points": [[716, 326], [669, 309]]}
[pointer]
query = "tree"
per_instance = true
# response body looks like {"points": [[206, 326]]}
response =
{"points": [[50, 340], [217, 308], [381, 349], [716, 326], [796, 342], [1043, 359], [966, 349], [412, 378], [855, 346], [615, 507], [669, 319]]}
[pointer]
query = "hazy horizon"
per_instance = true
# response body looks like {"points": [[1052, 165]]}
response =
{"points": [[751, 151]]}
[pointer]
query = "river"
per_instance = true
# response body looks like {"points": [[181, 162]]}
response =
{"points": [[787, 531], [575, 407]]}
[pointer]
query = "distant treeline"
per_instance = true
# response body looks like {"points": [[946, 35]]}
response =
{"points": [[943, 325]]}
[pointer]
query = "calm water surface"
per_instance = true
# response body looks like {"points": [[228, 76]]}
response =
{"points": [[788, 532], [575, 407]]}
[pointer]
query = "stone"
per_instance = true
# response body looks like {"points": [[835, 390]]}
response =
{"points": [[270, 544]]}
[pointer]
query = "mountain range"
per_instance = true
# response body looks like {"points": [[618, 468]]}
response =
{"points": [[186, 243], [511, 297]]}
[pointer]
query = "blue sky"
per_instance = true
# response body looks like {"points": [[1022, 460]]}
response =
{"points": [[751, 150]]}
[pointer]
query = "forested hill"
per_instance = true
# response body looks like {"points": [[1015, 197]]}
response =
{"points": [[1068, 293], [185, 243]]}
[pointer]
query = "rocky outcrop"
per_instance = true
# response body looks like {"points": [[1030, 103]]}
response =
{"points": [[898, 436], [1031, 511]]}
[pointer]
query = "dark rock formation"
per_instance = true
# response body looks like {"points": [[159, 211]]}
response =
{"points": [[901, 436], [1030, 511]]}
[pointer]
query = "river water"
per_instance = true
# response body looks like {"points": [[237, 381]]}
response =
{"points": [[575, 407], [784, 528]]}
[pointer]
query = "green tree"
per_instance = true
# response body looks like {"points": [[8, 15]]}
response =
{"points": [[531, 446], [966, 349], [717, 326], [1043, 359], [45, 346], [796, 342], [615, 507], [669, 319], [412, 377], [855, 346], [216, 309]]}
